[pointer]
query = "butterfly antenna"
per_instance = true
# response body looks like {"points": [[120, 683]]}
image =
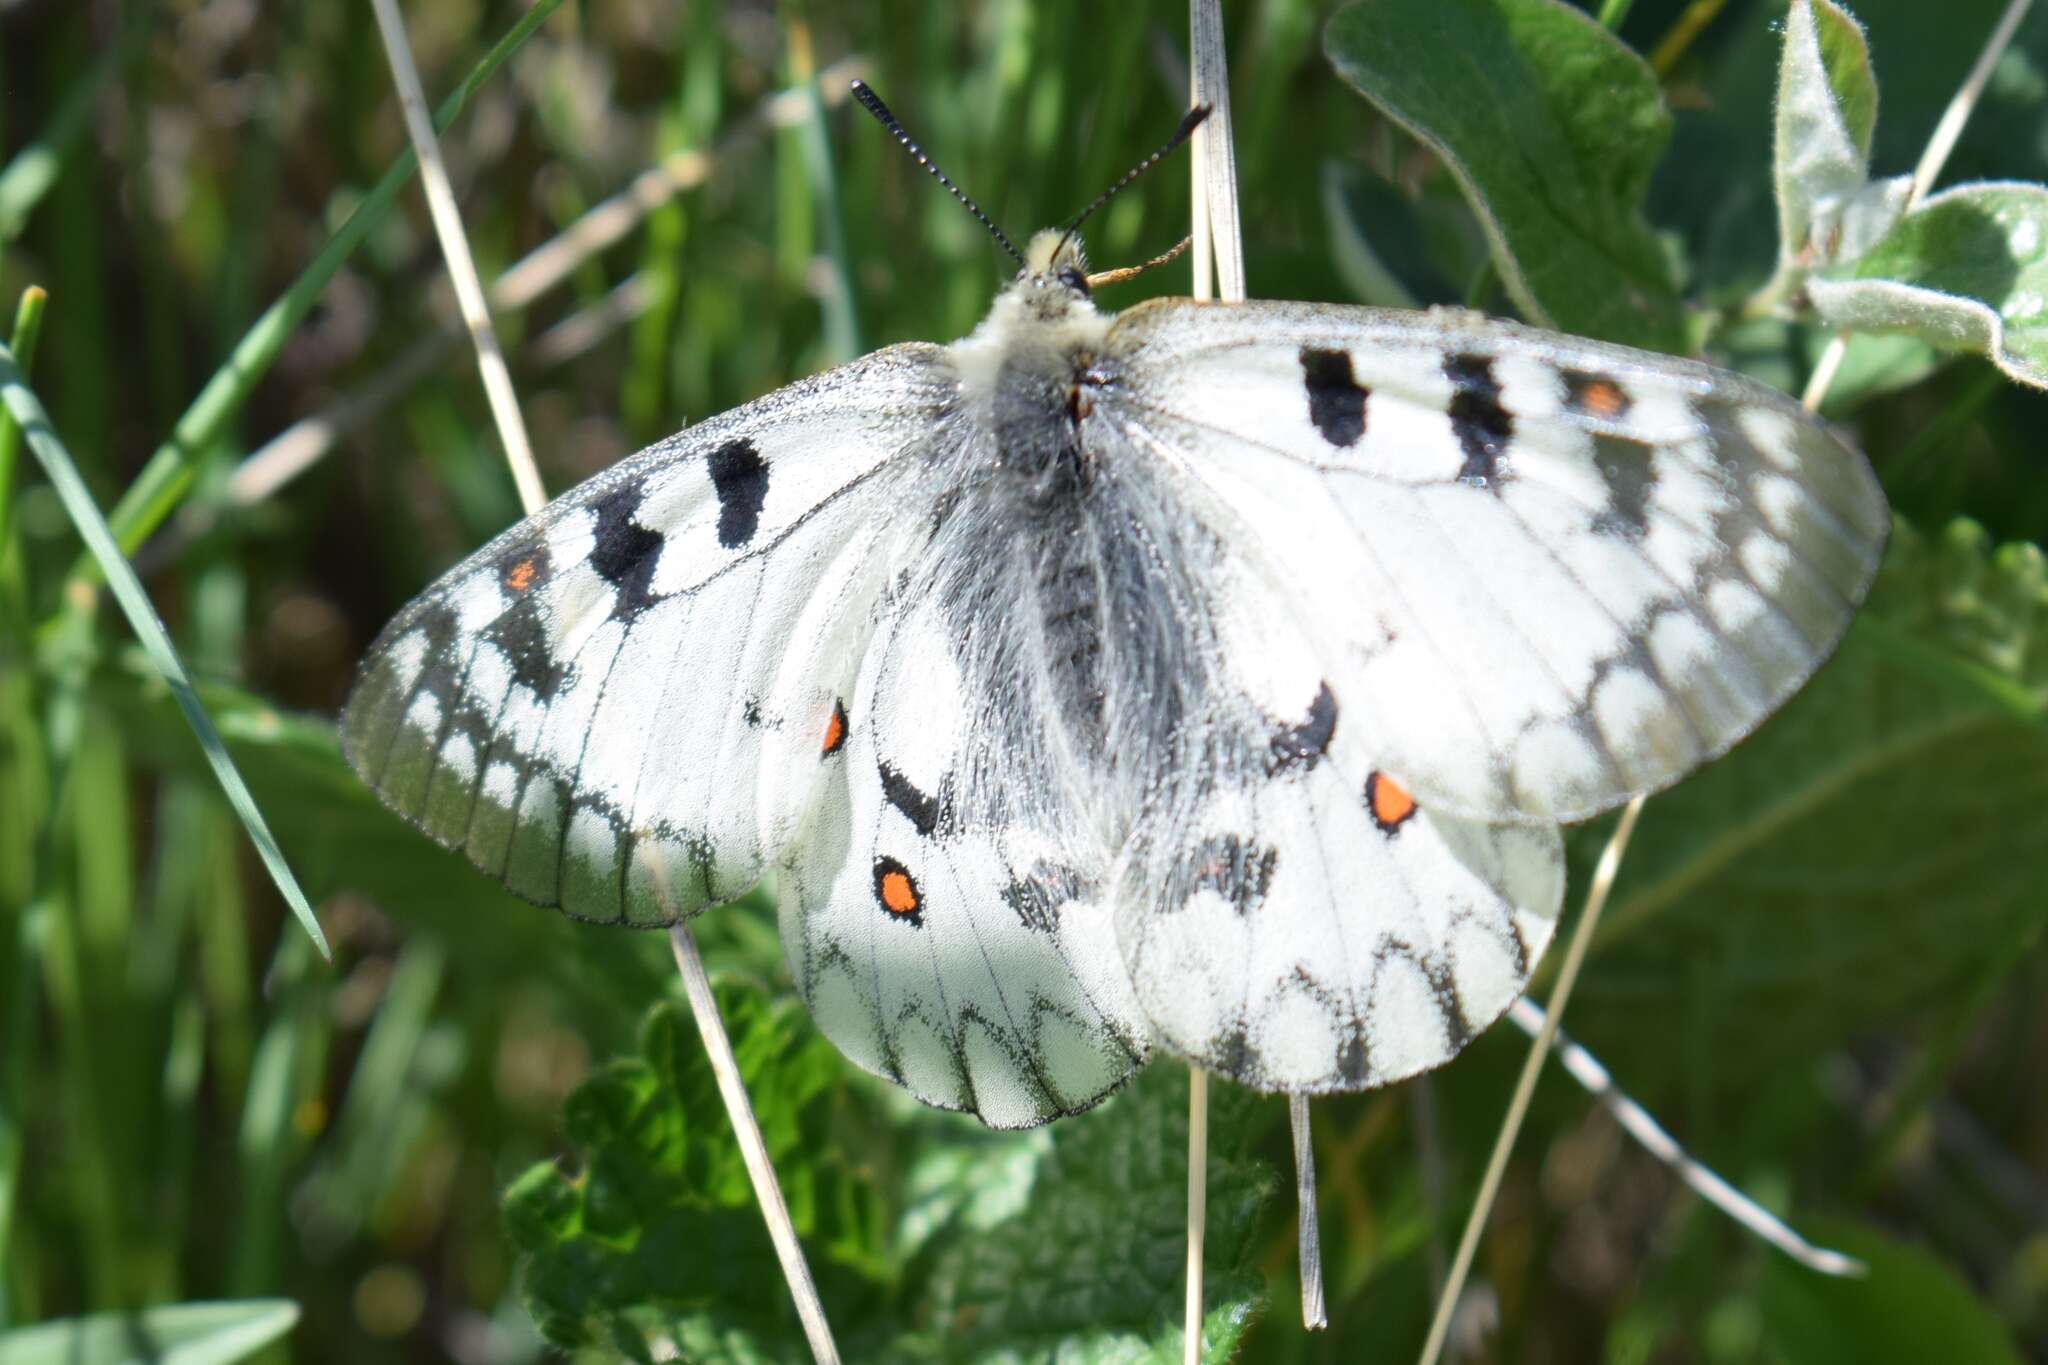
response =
{"points": [[1189, 122], [872, 102]]}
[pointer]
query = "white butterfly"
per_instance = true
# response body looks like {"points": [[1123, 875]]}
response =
{"points": [[1206, 676]]}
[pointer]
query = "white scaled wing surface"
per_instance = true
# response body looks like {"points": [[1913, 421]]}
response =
{"points": [[586, 706], [1552, 573]]}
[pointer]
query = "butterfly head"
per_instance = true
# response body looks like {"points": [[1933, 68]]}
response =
{"points": [[1055, 260], [1052, 283]]}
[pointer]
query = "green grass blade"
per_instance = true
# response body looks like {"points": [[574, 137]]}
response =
{"points": [[170, 1334], [21, 401], [167, 477], [28, 328], [31, 172]]}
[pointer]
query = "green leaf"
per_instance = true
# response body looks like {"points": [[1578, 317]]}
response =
{"points": [[169, 1334], [1827, 111], [658, 1236], [1064, 1242], [1551, 126], [1883, 834], [1966, 270], [1910, 1308], [1087, 1261]]}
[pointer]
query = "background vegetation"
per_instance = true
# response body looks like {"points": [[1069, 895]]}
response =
{"points": [[1822, 966]]}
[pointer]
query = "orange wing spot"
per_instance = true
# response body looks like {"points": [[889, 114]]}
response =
{"points": [[1602, 399], [1597, 396], [835, 731], [897, 891], [1389, 802], [520, 576]]}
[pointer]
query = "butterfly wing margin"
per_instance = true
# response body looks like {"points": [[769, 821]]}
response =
{"points": [[587, 705], [1594, 568]]}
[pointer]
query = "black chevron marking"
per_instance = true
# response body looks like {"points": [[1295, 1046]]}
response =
{"points": [[1304, 745], [1237, 869], [1038, 897]]}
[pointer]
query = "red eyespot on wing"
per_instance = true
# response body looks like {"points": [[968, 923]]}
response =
{"points": [[835, 731], [897, 891], [1595, 395], [1389, 802], [521, 575]]}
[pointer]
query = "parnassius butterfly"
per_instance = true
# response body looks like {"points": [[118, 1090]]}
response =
{"points": [[1208, 677]]}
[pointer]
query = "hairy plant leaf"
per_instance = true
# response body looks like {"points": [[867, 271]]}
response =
{"points": [[1967, 270], [1827, 108], [1828, 208], [1551, 126]]}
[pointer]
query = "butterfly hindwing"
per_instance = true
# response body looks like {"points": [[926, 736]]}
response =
{"points": [[1289, 914], [942, 936], [582, 705], [1563, 573]]}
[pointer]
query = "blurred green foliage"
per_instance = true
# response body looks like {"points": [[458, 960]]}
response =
{"points": [[1822, 965]]}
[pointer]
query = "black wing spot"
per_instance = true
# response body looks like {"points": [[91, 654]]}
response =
{"points": [[521, 635], [1239, 870], [624, 552], [1480, 423], [1336, 400], [740, 478], [921, 810], [1305, 744], [1038, 897], [1628, 469]]}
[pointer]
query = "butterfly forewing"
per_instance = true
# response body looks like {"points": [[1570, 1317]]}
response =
{"points": [[582, 705], [1554, 574]]}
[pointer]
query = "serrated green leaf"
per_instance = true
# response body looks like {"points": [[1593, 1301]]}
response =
{"points": [[1886, 833], [1910, 1308], [169, 1334], [1827, 108], [1966, 270], [1089, 1267], [1064, 1242], [657, 1237], [1551, 126]]}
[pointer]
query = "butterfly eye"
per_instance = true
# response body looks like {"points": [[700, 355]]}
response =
{"points": [[1074, 280]]}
